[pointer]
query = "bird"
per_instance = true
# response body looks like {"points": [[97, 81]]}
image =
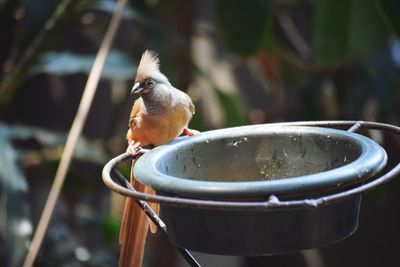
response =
{"points": [[159, 114]]}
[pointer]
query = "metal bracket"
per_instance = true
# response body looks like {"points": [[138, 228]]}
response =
{"points": [[272, 203]]}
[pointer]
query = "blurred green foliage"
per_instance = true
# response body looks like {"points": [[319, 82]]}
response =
{"points": [[117, 67], [346, 30], [388, 10], [242, 25], [232, 108]]}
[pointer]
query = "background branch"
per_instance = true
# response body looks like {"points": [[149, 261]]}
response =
{"points": [[13, 80]]}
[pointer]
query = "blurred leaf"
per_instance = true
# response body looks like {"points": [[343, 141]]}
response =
{"points": [[42, 136], [346, 30], [232, 107], [242, 24], [89, 151], [110, 227], [109, 7], [85, 150], [36, 12], [117, 67], [311, 108], [16, 226], [157, 29], [270, 42], [389, 11], [368, 31], [11, 175], [331, 28]]}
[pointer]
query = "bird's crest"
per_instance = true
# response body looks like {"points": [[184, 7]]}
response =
{"points": [[149, 66]]}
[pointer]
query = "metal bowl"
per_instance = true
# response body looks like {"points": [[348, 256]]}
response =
{"points": [[255, 163], [258, 161]]}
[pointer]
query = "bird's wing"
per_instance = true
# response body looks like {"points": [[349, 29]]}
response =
{"points": [[135, 112], [191, 106], [188, 100], [133, 120]]}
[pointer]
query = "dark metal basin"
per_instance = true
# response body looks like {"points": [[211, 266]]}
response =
{"points": [[257, 161], [253, 163]]}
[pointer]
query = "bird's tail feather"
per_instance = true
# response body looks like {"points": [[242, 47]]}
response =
{"points": [[134, 228]]}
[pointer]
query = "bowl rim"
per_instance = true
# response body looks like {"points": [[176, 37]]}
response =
{"points": [[371, 160]]}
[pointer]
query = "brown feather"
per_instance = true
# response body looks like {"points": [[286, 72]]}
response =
{"points": [[134, 229]]}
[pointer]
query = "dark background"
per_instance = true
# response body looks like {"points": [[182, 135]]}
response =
{"points": [[242, 62]]}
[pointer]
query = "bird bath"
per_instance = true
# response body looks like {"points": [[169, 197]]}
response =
{"points": [[263, 189]]}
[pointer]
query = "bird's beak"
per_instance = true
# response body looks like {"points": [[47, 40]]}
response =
{"points": [[136, 88]]}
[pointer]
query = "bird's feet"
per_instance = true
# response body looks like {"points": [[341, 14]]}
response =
{"points": [[190, 132], [133, 148]]}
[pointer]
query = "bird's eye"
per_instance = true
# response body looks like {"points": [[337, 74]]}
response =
{"points": [[150, 83]]}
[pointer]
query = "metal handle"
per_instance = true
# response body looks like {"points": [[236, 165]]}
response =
{"points": [[151, 214]]}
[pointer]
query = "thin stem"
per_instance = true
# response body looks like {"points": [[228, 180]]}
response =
{"points": [[11, 82], [75, 132], [294, 35]]}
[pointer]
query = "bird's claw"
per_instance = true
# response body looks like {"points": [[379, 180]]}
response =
{"points": [[133, 149], [190, 132]]}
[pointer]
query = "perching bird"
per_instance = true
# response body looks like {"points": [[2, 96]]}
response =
{"points": [[160, 114]]}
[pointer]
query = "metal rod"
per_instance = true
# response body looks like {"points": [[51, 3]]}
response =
{"points": [[355, 127], [157, 221], [270, 204]]}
